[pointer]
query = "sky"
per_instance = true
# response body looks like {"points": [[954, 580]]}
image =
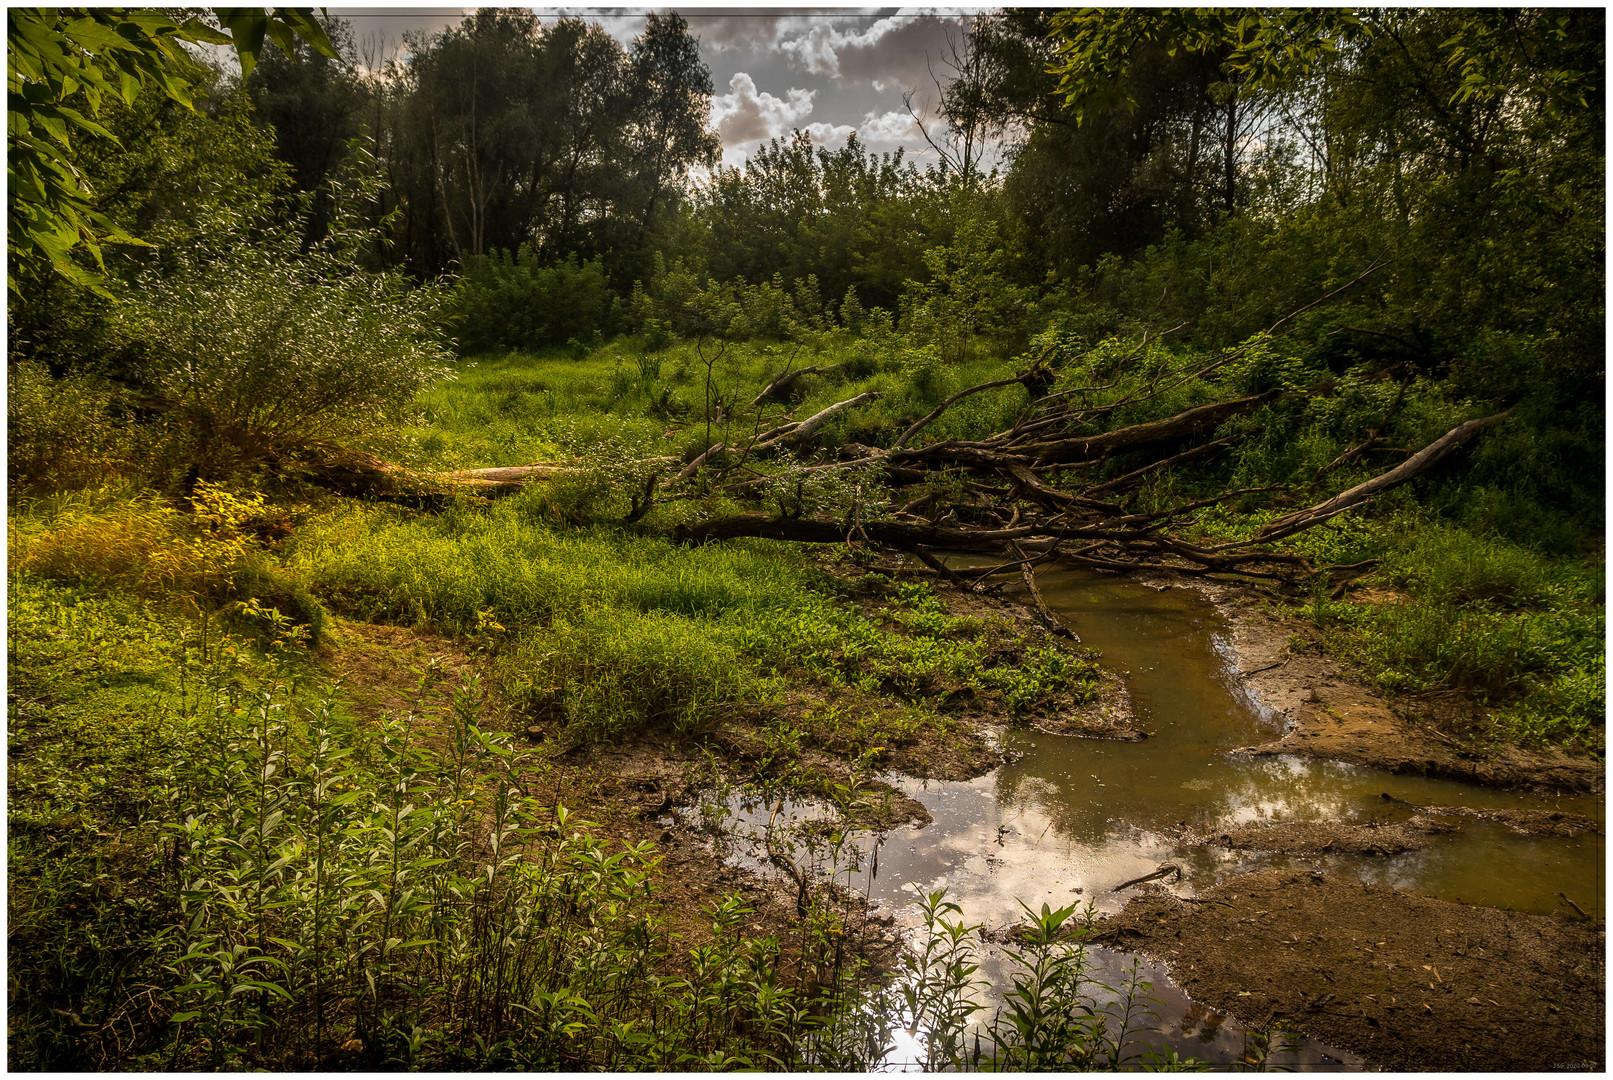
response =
{"points": [[823, 71]]}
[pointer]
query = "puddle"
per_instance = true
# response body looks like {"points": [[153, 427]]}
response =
{"points": [[1071, 818]]}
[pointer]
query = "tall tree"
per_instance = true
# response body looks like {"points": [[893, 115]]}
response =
{"points": [[669, 133], [315, 103]]}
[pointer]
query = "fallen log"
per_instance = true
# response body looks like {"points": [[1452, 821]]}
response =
{"points": [[780, 387], [1412, 467], [495, 482], [1182, 425], [1048, 619], [795, 434]]}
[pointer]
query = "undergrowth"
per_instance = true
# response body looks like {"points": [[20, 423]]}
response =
{"points": [[214, 864]]}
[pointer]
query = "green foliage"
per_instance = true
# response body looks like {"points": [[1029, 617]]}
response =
{"points": [[61, 432], [62, 63], [296, 890], [1521, 633], [966, 295], [607, 673], [857, 221], [1253, 47], [1053, 1017], [503, 129], [514, 301], [265, 352]]}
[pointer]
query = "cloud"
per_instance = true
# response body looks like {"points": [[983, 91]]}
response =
{"points": [[746, 114], [888, 50], [721, 33], [823, 134], [892, 127], [817, 45], [899, 52]]}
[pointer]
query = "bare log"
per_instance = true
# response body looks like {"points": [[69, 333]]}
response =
{"points": [[781, 386], [1184, 424], [1412, 467], [1048, 619], [694, 466], [797, 433]]}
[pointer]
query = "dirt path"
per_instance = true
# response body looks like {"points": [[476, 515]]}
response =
{"points": [[1405, 981]]}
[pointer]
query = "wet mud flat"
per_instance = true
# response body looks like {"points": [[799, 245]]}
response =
{"points": [[1326, 714], [1405, 981]]}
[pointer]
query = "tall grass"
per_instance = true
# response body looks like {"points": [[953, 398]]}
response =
{"points": [[1522, 633], [612, 631]]}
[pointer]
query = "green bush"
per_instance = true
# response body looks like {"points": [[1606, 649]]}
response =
{"points": [[293, 892], [512, 301], [612, 672], [60, 432], [265, 352]]}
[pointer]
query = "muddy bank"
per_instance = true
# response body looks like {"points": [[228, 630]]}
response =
{"points": [[1330, 838], [1394, 836], [1331, 715], [1405, 981]]}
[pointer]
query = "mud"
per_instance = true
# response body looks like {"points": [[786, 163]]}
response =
{"points": [[1327, 838], [1526, 822], [1332, 715], [1405, 981]]}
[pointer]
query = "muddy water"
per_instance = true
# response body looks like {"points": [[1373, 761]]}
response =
{"points": [[1068, 819]]}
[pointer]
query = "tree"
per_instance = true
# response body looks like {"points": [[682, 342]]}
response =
{"points": [[669, 134], [62, 64], [314, 103]]}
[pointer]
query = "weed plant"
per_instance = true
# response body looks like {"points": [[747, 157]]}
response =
{"points": [[297, 891], [611, 631]]}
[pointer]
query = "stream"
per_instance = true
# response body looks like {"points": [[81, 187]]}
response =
{"points": [[1067, 819]]}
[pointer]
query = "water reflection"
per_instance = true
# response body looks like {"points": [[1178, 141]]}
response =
{"points": [[1071, 818]]}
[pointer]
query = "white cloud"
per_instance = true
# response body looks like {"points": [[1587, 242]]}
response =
{"points": [[823, 134], [892, 127], [816, 44], [746, 114]]}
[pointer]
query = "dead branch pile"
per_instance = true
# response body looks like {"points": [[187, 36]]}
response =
{"points": [[1031, 492]]}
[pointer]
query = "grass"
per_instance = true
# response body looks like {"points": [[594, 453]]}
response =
{"points": [[1457, 613], [215, 864], [607, 631], [278, 888], [519, 408]]}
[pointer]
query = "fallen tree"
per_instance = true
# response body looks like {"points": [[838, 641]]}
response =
{"points": [[1030, 492]]}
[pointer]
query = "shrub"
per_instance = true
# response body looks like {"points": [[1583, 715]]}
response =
{"points": [[210, 559], [60, 432], [265, 352], [613, 671], [512, 301]]}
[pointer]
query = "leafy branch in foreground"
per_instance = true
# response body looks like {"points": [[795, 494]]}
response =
{"points": [[62, 63]]}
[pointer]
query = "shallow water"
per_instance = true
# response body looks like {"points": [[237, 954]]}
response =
{"points": [[1072, 818]]}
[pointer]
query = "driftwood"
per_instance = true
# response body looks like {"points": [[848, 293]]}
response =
{"points": [[1164, 871]]}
